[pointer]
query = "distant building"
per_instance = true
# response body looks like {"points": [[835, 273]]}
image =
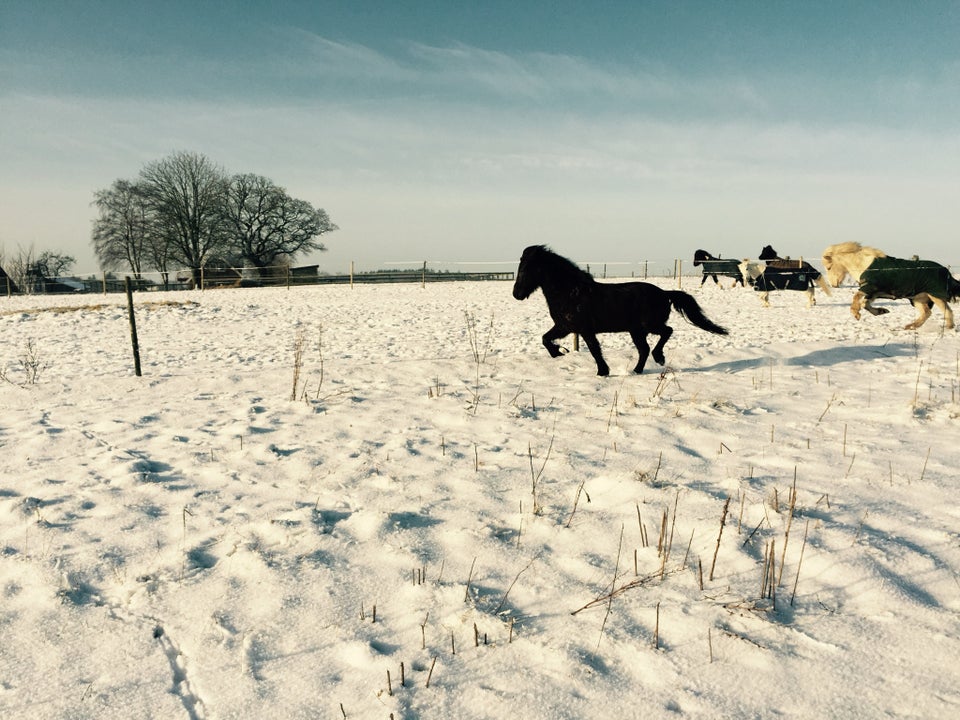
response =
{"points": [[7, 285]]}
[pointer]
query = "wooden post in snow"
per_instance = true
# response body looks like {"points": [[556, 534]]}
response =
{"points": [[133, 327]]}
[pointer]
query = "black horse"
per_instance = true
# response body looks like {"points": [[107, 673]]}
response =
{"points": [[579, 304], [714, 266], [777, 273]]}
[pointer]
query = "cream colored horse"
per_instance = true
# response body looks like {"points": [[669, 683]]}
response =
{"points": [[849, 258], [852, 258]]}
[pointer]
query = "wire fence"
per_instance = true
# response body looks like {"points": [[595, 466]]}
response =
{"points": [[212, 277], [423, 272]]}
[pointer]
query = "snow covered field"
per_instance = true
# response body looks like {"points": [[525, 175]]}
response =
{"points": [[448, 523]]}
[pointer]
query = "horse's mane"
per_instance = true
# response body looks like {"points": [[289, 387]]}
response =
{"points": [[851, 247], [559, 265]]}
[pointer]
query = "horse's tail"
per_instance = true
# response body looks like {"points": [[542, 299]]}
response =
{"points": [[824, 285], [953, 289], [688, 306]]}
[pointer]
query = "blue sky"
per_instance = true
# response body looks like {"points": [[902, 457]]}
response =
{"points": [[615, 131]]}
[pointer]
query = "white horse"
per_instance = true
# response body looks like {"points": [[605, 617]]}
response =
{"points": [[849, 258], [923, 282]]}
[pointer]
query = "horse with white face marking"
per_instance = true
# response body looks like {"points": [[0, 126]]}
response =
{"points": [[776, 273]]}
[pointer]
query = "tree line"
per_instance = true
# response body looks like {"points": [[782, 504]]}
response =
{"points": [[184, 211]]}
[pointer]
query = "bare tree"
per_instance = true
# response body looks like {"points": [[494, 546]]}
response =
{"points": [[268, 226], [159, 256], [122, 234], [20, 266], [183, 209], [186, 194], [50, 264]]}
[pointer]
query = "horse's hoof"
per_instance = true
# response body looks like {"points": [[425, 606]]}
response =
{"points": [[603, 372]]}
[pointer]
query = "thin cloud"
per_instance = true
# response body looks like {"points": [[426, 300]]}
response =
{"points": [[327, 58]]}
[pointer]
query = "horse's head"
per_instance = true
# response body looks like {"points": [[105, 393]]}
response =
{"points": [[700, 255], [768, 253], [751, 270], [528, 273], [836, 271]]}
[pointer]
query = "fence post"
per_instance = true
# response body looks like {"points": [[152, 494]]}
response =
{"points": [[423, 276], [203, 284], [104, 282], [288, 277], [133, 327], [679, 274], [351, 274]]}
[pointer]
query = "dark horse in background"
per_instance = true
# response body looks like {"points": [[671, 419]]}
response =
{"points": [[714, 266], [579, 304], [777, 273]]}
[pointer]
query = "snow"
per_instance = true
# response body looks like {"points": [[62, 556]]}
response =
{"points": [[444, 502]]}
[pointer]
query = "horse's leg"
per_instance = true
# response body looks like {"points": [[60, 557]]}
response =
{"points": [[927, 299], [765, 298], [554, 333], [811, 298], [920, 303], [857, 304], [591, 340], [868, 306], [947, 314], [665, 334], [643, 347], [703, 279]]}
